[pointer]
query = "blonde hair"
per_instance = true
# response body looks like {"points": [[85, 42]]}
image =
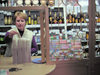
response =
{"points": [[20, 14]]}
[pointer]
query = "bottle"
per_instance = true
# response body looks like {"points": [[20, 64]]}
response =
{"points": [[70, 18], [73, 18], [32, 21], [99, 17], [60, 18], [97, 20], [38, 19], [81, 18], [84, 15], [29, 18], [78, 16], [76, 19], [1, 17], [67, 19], [87, 35], [23, 3], [3, 3], [35, 19], [50, 17], [5, 18], [9, 18], [27, 21], [39, 3], [55, 18]]}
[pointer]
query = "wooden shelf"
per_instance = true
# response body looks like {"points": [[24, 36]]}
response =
{"points": [[35, 8]]}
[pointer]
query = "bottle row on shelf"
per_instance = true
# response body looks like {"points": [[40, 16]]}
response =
{"points": [[81, 18], [7, 18], [7, 3], [56, 16], [76, 33]]}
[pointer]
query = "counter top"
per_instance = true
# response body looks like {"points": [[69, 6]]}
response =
{"points": [[27, 68]]}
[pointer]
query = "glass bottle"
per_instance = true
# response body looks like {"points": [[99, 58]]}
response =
{"points": [[55, 18], [29, 18], [60, 18], [35, 19], [50, 17]]}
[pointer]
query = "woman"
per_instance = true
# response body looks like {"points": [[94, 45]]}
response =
{"points": [[21, 32]]}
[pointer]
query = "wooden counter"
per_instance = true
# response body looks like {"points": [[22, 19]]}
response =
{"points": [[27, 69]]}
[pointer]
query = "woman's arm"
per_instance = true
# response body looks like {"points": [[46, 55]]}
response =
{"points": [[34, 46], [9, 35], [7, 39]]}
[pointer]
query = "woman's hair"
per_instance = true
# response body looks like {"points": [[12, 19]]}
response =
{"points": [[20, 14]]}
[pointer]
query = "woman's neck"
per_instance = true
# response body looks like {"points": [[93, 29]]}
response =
{"points": [[21, 32]]}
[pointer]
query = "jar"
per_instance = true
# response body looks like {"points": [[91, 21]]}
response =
{"points": [[51, 2], [19, 3], [27, 2], [35, 2], [43, 2]]}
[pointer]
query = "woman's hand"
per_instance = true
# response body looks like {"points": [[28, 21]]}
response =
{"points": [[11, 33]]}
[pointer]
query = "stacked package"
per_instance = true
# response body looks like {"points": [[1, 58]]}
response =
{"points": [[21, 50], [65, 49]]}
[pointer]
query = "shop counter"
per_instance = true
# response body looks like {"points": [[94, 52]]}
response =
{"points": [[27, 68]]}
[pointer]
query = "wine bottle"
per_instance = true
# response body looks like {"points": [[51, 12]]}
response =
{"points": [[60, 18], [84, 15], [76, 19], [5, 18], [50, 17], [38, 19], [1, 17], [81, 18], [32, 21], [9, 20], [70, 18], [29, 18], [87, 35], [67, 19], [55, 18], [39, 3], [73, 18], [3, 3], [35, 19]]}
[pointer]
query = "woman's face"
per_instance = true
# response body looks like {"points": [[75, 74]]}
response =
{"points": [[20, 23]]}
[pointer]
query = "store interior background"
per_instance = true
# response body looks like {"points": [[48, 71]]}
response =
{"points": [[64, 29]]}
